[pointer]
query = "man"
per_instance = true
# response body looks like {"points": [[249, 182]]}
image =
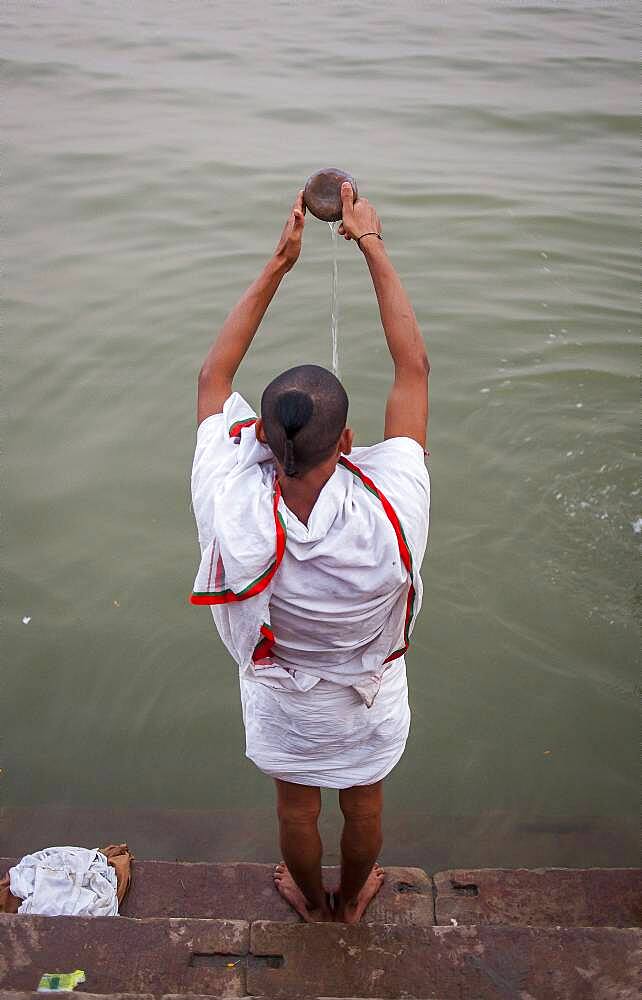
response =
{"points": [[310, 563]]}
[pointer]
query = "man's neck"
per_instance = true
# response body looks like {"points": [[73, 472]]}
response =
{"points": [[302, 492]]}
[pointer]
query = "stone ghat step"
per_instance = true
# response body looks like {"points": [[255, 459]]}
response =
{"points": [[539, 897], [227, 958], [34, 995], [592, 897], [247, 892]]}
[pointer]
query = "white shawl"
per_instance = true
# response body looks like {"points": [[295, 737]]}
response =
{"points": [[344, 590]]}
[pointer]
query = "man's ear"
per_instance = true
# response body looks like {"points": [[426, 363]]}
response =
{"points": [[345, 441], [260, 431]]}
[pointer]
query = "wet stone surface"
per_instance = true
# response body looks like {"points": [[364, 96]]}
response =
{"points": [[502, 934], [594, 897], [448, 962], [121, 955], [247, 892]]}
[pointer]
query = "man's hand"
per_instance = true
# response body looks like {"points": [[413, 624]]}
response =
{"points": [[359, 216], [289, 246], [407, 406], [238, 330]]}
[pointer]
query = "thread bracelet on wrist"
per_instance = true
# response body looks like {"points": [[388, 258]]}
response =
{"points": [[363, 236]]}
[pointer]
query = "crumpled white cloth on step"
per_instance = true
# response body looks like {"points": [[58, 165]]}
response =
{"points": [[65, 881]]}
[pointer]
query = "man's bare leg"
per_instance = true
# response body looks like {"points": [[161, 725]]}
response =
{"points": [[361, 876], [299, 879]]}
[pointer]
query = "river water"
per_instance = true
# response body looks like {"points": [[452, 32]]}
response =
{"points": [[153, 151]]}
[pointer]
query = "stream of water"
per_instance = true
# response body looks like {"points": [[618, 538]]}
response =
{"points": [[334, 305]]}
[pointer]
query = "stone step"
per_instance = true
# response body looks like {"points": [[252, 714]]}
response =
{"points": [[34, 995], [451, 963], [245, 891], [593, 897], [78, 995], [227, 958], [124, 955], [572, 897]]}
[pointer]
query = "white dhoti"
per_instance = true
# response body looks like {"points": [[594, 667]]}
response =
{"points": [[327, 736], [317, 616]]}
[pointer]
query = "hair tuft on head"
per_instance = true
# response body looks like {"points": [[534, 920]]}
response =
{"points": [[289, 465], [294, 409], [304, 411]]}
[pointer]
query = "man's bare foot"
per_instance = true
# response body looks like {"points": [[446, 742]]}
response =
{"points": [[351, 913], [290, 891]]}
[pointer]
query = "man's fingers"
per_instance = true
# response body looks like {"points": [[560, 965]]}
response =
{"points": [[297, 214], [347, 195]]}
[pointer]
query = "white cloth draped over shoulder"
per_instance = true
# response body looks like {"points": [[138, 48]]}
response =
{"points": [[330, 603]]}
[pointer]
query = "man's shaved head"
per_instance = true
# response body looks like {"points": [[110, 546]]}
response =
{"points": [[304, 412]]}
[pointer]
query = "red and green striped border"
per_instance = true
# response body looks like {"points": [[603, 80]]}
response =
{"points": [[264, 645], [228, 596], [404, 549], [410, 609], [236, 428]]}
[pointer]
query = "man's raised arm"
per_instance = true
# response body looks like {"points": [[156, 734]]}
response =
{"points": [[237, 333], [407, 406]]}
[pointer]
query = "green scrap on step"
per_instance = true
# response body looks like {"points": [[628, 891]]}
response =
{"points": [[60, 982]]}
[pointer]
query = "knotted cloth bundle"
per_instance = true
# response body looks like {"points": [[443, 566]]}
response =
{"points": [[68, 881]]}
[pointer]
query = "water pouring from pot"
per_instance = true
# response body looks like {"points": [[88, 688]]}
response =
{"points": [[322, 196]]}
